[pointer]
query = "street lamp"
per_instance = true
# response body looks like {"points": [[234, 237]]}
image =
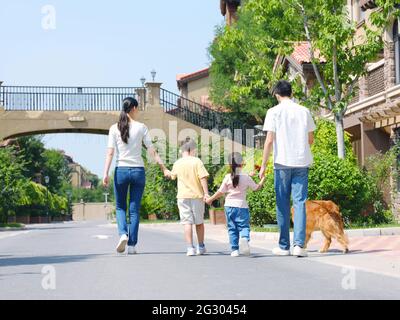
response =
{"points": [[260, 136], [47, 180], [153, 74], [143, 80]]}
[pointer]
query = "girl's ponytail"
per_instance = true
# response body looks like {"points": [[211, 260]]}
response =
{"points": [[123, 123], [235, 162]]}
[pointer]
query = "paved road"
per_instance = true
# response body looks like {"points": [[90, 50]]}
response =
{"points": [[86, 267]]}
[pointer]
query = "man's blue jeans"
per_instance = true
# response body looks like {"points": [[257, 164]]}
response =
{"points": [[132, 180], [238, 222], [291, 181]]}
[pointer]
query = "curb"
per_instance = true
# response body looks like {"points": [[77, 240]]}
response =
{"points": [[376, 232], [13, 229]]}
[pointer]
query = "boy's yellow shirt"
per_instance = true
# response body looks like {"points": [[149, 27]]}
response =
{"points": [[189, 171]]}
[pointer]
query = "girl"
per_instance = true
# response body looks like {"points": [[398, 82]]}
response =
{"points": [[126, 138], [237, 213]]}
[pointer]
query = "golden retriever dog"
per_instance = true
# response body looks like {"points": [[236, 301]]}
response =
{"points": [[325, 216]]}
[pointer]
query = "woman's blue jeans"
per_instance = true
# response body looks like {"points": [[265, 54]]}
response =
{"points": [[132, 180]]}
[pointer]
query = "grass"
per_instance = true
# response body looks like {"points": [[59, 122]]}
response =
{"points": [[11, 225], [145, 221], [262, 229], [372, 226]]}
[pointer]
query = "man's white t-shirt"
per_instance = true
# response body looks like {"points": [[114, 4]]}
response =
{"points": [[130, 154], [291, 124]]}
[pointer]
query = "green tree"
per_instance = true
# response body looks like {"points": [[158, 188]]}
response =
{"points": [[56, 168], [12, 181], [241, 69], [31, 149]]}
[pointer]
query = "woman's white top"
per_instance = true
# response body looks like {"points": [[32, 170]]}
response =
{"points": [[130, 154]]}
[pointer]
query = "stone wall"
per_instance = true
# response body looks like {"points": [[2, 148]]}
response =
{"points": [[92, 211], [390, 66]]}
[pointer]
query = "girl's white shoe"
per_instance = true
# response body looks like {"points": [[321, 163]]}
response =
{"points": [[244, 246], [235, 253]]}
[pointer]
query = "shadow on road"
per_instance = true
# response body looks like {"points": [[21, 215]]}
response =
{"points": [[22, 261], [340, 253]]}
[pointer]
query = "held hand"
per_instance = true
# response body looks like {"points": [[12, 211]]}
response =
{"points": [[106, 181], [167, 173], [206, 198]]}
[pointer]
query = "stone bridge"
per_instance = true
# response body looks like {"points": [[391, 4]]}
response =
{"points": [[44, 110]]}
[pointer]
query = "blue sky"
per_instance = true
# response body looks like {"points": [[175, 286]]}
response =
{"points": [[103, 43]]}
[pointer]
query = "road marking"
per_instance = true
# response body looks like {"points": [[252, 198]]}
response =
{"points": [[12, 234], [101, 237]]}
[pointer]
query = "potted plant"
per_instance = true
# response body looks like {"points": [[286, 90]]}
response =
{"points": [[217, 213]]}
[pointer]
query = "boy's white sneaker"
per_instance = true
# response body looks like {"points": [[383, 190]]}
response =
{"points": [[132, 250], [122, 243], [279, 252], [300, 252], [191, 252], [244, 246], [235, 253], [201, 250]]}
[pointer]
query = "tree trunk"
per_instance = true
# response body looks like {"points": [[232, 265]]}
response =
{"points": [[340, 136]]}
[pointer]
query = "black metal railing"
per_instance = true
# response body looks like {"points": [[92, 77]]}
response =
{"points": [[209, 119], [39, 98]]}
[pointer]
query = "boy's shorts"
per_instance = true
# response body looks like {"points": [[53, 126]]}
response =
{"points": [[191, 211]]}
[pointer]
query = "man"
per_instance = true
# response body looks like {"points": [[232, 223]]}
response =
{"points": [[290, 134]]}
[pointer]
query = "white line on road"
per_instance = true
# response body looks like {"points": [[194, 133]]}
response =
{"points": [[12, 234]]}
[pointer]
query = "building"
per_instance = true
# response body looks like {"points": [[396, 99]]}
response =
{"points": [[229, 10], [80, 177], [196, 86]]}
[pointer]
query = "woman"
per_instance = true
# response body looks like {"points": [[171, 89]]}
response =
{"points": [[126, 138]]}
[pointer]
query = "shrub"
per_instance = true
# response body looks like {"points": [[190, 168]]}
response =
{"points": [[34, 202]]}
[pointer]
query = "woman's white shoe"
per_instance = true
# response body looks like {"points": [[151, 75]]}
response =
{"points": [[122, 243], [132, 250]]}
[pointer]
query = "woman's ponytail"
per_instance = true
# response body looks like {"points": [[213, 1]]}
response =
{"points": [[235, 162], [123, 123]]}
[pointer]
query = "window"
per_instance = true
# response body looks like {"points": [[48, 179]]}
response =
{"points": [[396, 39], [358, 14]]}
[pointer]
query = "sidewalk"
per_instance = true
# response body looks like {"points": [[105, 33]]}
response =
{"points": [[371, 250]]}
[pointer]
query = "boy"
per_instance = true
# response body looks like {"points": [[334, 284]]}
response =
{"points": [[192, 190]]}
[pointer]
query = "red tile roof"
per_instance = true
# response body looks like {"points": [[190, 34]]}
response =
{"points": [[190, 76], [301, 54], [183, 79]]}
